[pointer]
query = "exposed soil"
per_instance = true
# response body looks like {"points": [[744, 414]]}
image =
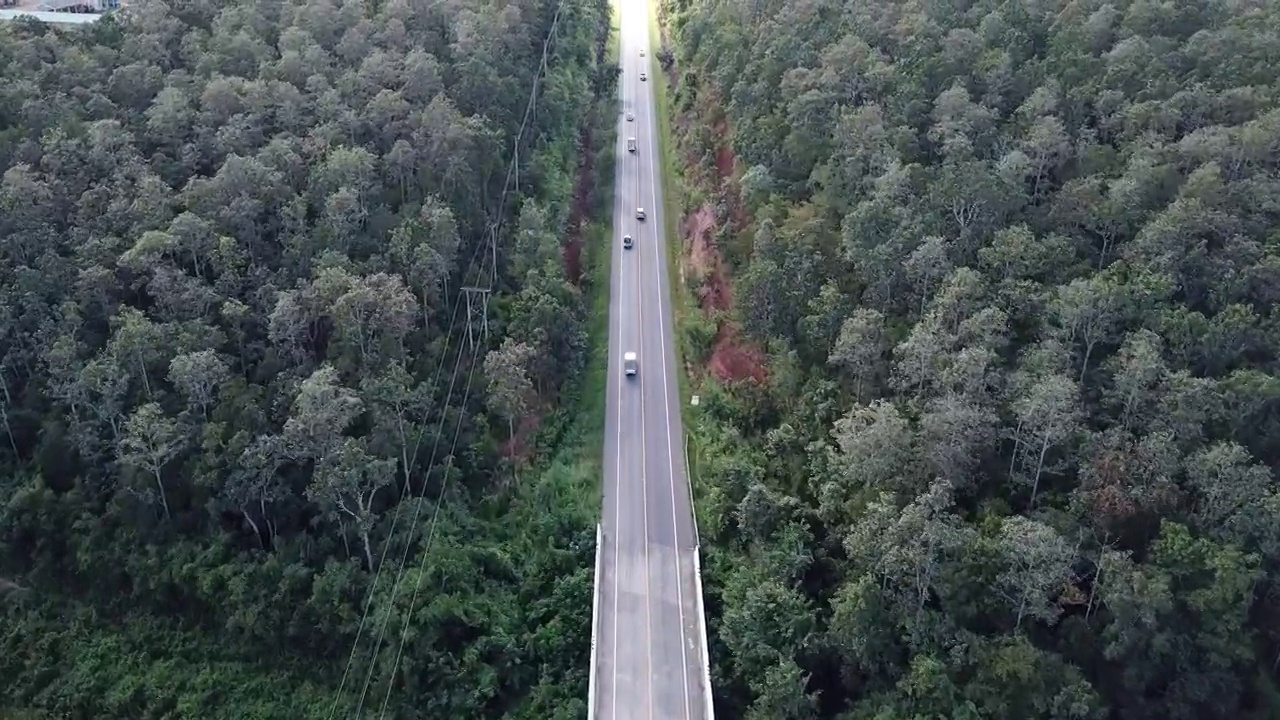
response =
{"points": [[726, 162], [726, 172], [703, 261], [733, 357]]}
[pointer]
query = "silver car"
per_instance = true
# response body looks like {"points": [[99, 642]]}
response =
{"points": [[629, 364]]}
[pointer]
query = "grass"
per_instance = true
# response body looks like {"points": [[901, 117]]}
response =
{"points": [[576, 468], [575, 473], [597, 249], [672, 199], [677, 200]]}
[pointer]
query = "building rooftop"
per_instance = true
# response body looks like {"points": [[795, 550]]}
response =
{"points": [[62, 18], [60, 12]]}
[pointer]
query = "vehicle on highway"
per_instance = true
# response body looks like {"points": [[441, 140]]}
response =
{"points": [[643, 77], [627, 242], [631, 144], [630, 117], [639, 213], [641, 52], [629, 364]]}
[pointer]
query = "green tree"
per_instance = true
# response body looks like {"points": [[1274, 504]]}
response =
{"points": [[510, 392], [149, 441], [199, 376], [781, 694]]}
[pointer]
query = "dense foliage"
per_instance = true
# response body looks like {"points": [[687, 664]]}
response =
{"points": [[232, 236], [1016, 266]]}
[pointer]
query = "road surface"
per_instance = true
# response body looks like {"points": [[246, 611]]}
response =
{"points": [[649, 644]]}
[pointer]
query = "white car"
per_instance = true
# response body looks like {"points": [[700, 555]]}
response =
{"points": [[639, 213], [630, 117], [629, 364], [641, 52], [643, 77], [627, 242]]}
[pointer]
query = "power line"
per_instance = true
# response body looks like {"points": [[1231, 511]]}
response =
{"points": [[373, 654], [431, 533], [464, 294], [364, 615], [511, 170]]}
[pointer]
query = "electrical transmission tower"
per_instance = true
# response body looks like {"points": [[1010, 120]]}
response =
{"points": [[477, 299]]}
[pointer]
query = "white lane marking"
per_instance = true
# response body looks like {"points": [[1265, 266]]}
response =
{"points": [[620, 176], [659, 259], [644, 493], [648, 595]]}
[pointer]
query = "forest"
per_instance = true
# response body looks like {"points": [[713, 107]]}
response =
{"points": [[1010, 271], [262, 455]]}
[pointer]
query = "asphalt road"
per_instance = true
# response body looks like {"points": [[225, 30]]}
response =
{"points": [[649, 645]]}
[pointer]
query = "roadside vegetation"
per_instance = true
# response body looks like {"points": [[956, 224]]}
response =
{"points": [[989, 395], [232, 240]]}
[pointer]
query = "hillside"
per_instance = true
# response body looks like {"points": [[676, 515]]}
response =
{"points": [[249, 465], [1013, 269]]}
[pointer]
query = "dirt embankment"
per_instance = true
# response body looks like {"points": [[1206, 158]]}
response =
{"points": [[733, 357], [580, 212]]}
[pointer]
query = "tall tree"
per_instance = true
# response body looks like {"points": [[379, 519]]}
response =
{"points": [[148, 442], [346, 484], [199, 376], [1048, 415], [322, 411], [1037, 566], [859, 349], [510, 391]]}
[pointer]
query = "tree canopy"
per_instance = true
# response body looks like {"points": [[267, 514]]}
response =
{"points": [[232, 236], [1015, 265]]}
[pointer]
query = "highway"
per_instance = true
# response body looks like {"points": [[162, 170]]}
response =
{"points": [[649, 656]]}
